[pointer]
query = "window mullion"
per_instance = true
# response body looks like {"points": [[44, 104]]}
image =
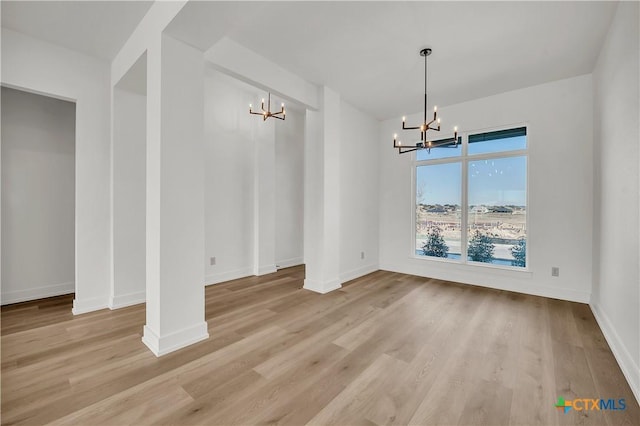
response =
{"points": [[465, 202]]}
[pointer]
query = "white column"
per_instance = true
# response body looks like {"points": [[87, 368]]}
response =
{"points": [[175, 196], [264, 211], [322, 195]]}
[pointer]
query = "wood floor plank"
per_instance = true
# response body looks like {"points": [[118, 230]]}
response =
{"points": [[257, 404], [205, 407], [385, 349], [611, 386], [452, 387], [27, 381], [280, 362], [535, 381], [413, 385], [357, 401], [142, 405], [573, 380]]}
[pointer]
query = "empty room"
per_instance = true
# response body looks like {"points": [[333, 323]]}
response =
{"points": [[320, 212]]}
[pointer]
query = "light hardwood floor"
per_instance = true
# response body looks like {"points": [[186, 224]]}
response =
{"points": [[385, 349]]}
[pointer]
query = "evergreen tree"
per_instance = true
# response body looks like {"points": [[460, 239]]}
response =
{"points": [[519, 253], [435, 245], [481, 248]]}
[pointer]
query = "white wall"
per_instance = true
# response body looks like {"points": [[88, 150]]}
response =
{"points": [[41, 67], [324, 163], [129, 222], [560, 143], [253, 182], [616, 296], [289, 190], [261, 72], [264, 185], [358, 193], [229, 176], [313, 214], [38, 185]]}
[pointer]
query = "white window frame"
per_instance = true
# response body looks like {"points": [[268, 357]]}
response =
{"points": [[464, 158]]}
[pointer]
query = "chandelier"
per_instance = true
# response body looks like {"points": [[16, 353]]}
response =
{"points": [[425, 126], [266, 113]]}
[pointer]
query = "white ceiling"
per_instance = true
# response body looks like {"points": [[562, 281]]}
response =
{"points": [[367, 51], [96, 28]]}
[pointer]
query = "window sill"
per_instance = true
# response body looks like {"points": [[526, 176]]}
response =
{"points": [[471, 266]]}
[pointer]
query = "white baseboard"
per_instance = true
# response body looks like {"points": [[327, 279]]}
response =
{"points": [[629, 368], [162, 345], [38, 293], [357, 273], [266, 269], [228, 276], [321, 287], [124, 300], [89, 305], [287, 263], [516, 287]]}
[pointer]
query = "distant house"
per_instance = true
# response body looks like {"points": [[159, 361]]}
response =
{"points": [[501, 209], [478, 209]]}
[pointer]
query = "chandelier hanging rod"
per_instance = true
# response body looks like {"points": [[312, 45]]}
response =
{"points": [[424, 52], [266, 113]]}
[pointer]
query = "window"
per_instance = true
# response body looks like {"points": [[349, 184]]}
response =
{"points": [[471, 200]]}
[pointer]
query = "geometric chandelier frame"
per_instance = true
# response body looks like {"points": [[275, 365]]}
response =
{"points": [[266, 113], [434, 124]]}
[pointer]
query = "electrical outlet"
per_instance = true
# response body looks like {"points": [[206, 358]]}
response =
{"points": [[361, 255], [555, 271], [212, 261]]}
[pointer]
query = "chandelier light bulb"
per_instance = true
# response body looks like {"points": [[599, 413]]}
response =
{"points": [[435, 108], [404, 119]]}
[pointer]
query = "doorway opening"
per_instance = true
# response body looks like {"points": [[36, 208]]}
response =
{"points": [[38, 196]]}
